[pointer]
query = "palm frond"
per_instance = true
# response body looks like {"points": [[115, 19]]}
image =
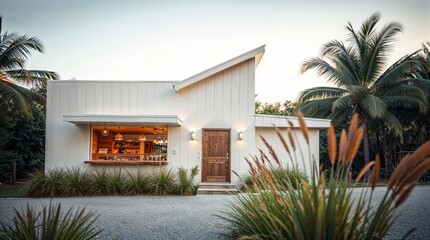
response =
{"points": [[397, 71], [393, 124], [342, 103], [18, 97], [15, 50], [320, 93], [344, 57], [317, 108], [406, 90], [379, 47], [374, 106], [32, 77], [406, 102], [367, 28]]}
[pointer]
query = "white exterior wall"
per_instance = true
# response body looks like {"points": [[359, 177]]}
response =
{"points": [[224, 100], [304, 160]]}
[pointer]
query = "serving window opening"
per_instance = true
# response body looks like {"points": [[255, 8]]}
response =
{"points": [[129, 145]]}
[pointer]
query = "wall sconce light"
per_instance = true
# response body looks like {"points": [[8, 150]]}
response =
{"points": [[240, 136], [193, 135]]}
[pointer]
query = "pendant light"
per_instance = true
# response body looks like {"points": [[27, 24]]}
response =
{"points": [[118, 137], [105, 132], [141, 136]]}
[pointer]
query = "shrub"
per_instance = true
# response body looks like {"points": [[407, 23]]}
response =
{"points": [[50, 223], [161, 182], [136, 183], [116, 184], [185, 181], [45, 185], [282, 175], [76, 182], [321, 209], [99, 182]]}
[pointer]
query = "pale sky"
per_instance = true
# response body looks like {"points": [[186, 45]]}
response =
{"points": [[173, 40]]}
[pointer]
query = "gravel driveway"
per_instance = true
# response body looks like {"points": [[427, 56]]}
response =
{"points": [[174, 217]]}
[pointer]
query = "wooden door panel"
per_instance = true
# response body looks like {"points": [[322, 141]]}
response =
{"points": [[216, 155]]}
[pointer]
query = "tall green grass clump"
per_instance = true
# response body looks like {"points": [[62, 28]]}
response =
{"points": [[320, 208], [50, 223], [76, 182], [136, 183], [162, 182], [99, 182], [283, 176], [45, 185], [117, 182], [185, 181]]}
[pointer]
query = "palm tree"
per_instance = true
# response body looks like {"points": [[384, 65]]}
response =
{"points": [[415, 118], [361, 82], [14, 78]]}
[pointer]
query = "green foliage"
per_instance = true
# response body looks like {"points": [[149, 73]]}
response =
{"points": [[15, 50], [14, 191], [363, 84], [23, 139], [45, 185], [51, 223], [288, 108], [185, 181], [116, 182], [99, 182], [322, 208], [137, 183], [161, 182], [74, 181], [282, 175]]}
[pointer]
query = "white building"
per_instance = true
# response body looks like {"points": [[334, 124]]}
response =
{"points": [[207, 120]]}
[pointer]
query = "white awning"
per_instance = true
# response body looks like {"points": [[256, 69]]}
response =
{"points": [[102, 119], [262, 120]]}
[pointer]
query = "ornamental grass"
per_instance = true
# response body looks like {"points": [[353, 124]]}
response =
{"points": [[74, 181], [322, 207], [50, 223]]}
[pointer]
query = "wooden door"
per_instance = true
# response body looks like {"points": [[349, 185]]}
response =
{"points": [[216, 155]]}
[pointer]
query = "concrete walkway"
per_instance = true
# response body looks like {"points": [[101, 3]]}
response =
{"points": [[175, 217]]}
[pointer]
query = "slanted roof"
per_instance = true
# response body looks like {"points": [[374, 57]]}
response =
{"points": [[153, 120], [262, 120], [257, 53]]}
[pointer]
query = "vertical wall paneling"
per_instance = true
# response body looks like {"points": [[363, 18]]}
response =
{"points": [[150, 96], [141, 98], [201, 104], [210, 102], [218, 98], [116, 103], [133, 98], [90, 98], [227, 100], [82, 97], [98, 98], [124, 98], [192, 121], [72, 98], [107, 98]]}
